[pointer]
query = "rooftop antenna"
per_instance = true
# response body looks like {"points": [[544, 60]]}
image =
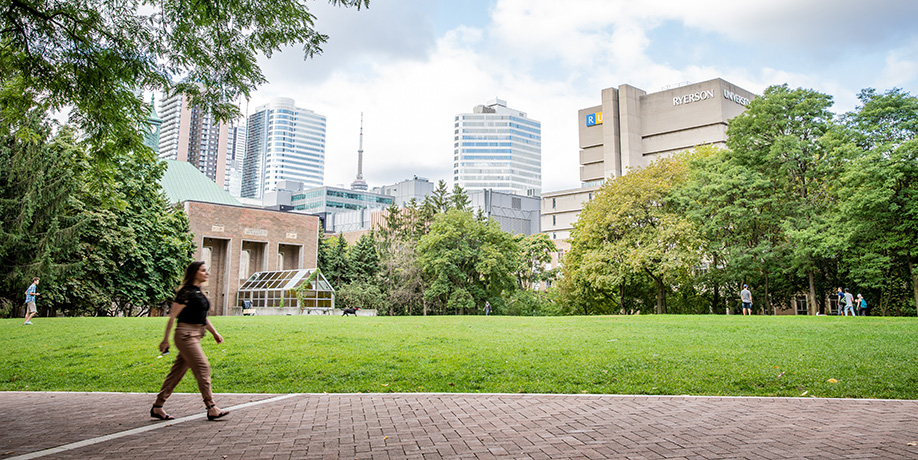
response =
{"points": [[359, 183]]}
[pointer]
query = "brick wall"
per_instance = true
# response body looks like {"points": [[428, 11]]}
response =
{"points": [[226, 228]]}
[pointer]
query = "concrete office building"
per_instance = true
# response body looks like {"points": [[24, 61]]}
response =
{"points": [[416, 188], [283, 142], [515, 214], [559, 212], [498, 148], [630, 129], [190, 134]]}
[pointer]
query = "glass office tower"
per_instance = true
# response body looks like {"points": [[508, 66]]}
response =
{"points": [[498, 148], [283, 142]]}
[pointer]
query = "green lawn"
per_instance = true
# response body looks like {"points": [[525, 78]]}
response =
{"points": [[667, 355]]}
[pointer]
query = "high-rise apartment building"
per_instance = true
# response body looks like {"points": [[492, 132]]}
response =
{"points": [[190, 134], [235, 153], [283, 143], [498, 148]]}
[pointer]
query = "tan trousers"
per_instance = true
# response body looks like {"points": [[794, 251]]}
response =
{"points": [[190, 356]]}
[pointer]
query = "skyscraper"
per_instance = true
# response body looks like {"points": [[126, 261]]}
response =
{"points": [[190, 134], [283, 142], [235, 153], [498, 148]]}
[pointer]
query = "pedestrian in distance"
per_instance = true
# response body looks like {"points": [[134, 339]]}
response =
{"points": [[861, 305], [746, 299], [841, 301], [487, 308], [849, 303], [31, 309], [189, 314]]}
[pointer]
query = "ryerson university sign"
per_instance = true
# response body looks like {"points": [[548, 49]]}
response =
{"points": [[709, 94]]}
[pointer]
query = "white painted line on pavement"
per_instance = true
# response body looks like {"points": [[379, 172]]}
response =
{"points": [[143, 429]]}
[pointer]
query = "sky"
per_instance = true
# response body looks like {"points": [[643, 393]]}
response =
{"points": [[411, 66]]}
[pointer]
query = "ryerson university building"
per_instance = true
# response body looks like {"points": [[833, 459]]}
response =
{"points": [[630, 129]]}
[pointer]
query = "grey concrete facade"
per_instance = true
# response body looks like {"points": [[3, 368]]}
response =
{"points": [[403, 192], [559, 212], [516, 214], [631, 128]]}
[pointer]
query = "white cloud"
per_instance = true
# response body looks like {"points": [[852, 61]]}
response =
{"points": [[901, 68], [550, 60]]}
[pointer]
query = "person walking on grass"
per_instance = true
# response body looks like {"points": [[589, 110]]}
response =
{"points": [[189, 313], [31, 309], [849, 303], [841, 301], [861, 306], [746, 298]]}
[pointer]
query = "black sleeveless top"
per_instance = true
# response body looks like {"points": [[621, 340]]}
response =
{"points": [[196, 305]]}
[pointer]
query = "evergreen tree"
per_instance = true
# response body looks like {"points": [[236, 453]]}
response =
{"points": [[459, 199], [40, 182], [363, 261]]}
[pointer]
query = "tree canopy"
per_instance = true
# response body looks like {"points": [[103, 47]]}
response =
{"points": [[92, 56], [800, 202]]}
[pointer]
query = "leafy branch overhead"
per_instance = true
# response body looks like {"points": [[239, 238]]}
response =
{"points": [[93, 55]]}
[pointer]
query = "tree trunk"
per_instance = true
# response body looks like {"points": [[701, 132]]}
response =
{"points": [[766, 306], [812, 308], [661, 297], [911, 270], [621, 298]]}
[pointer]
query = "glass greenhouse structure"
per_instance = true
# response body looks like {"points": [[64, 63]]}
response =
{"points": [[303, 288]]}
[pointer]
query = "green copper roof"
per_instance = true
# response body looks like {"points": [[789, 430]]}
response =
{"points": [[183, 182]]}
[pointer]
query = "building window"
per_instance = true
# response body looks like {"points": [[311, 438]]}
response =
{"points": [[554, 203], [554, 220]]}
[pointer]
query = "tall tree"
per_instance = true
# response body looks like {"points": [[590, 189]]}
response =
{"points": [[465, 262], [459, 199], [363, 261], [739, 217], [630, 228], [40, 185], [438, 200], [535, 254], [92, 55], [335, 261], [879, 190], [781, 136]]}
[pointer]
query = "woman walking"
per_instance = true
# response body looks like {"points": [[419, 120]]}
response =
{"points": [[189, 312]]}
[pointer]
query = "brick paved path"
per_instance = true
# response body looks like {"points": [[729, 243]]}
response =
{"points": [[429, 426]]}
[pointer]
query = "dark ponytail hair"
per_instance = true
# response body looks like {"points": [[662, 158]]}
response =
{"points": [[191, 272]]}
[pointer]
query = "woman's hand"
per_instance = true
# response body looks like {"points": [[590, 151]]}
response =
{"points": [[163, 346], [218, 337]]}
